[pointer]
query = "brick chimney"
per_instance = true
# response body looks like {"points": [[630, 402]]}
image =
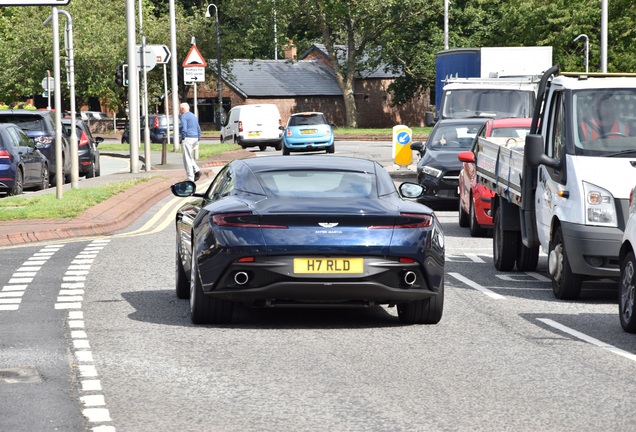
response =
{"points": [[290, 51]]}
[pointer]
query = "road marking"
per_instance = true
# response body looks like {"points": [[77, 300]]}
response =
{"points": [[11, 294], [476, 286], [71, 297], [588, 339]]}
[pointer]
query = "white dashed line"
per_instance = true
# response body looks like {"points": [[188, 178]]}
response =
{"points": [[71, 297], [11, 294]]}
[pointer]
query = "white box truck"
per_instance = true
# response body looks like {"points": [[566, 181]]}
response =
{"points": [[488, 81]]}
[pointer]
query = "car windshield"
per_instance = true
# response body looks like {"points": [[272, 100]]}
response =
{"points": [[605, 122], [307, 120], [315, 184], [513, 132], [453, 137]]}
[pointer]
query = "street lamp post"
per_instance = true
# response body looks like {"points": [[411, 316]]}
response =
{"points": [[587, 50], [219, 86]]}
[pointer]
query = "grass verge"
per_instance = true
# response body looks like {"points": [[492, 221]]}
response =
{"points": [[205, 150], [73, 203]]}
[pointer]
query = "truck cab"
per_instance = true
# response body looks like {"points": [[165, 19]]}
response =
{"points": [[579, 167]]}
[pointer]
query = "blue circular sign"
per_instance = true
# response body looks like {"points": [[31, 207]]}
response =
{"points": [[403, 138]]}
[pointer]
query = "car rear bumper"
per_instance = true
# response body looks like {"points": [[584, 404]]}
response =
{"points": [[273, 280]]}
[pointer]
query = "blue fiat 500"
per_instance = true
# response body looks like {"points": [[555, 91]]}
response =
{"points": [[308, 131]]}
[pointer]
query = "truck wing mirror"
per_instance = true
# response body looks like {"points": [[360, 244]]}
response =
{"points": [[534, 155]]}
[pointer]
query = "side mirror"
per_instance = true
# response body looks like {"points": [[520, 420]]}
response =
{"points": [[534, 155], [466, 156], [281, 127], [184, 189], [411, 190], [418, 146], [99, 140]]}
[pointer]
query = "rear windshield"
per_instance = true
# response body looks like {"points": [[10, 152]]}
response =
{"points": [[313, 184], [27, 123], [307, 120]]}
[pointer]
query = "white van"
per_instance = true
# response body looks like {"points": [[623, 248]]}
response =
{"points": [[254, 126]]}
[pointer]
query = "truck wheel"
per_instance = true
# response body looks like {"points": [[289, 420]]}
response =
{"points": [[285, 151], [566, 285], [476, 230], [527, 258], [428, 311], [626, 292], [262, 147], [279, 145], [463, 216], [504, 245]]}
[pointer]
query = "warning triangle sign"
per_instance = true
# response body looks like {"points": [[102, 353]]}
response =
{"points": [[194, 58]]}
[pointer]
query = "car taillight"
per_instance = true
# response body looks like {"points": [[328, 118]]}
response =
{"points": [[409, 220], [240, 125], [289, 132], [155, 124], [4, 154], [242, 220], [83, 141]]}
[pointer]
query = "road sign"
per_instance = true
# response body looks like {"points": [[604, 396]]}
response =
{"points": [[194, 59], [193, 74], [48, 83], [149, 58], [34, 2], [162, 53]]}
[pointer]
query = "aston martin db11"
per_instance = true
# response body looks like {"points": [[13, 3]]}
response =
{"points": [[308, 231]]}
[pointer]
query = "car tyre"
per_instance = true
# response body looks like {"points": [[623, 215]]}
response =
{"points": [[44, 184], [527, 258], [626, 293], [476, 230], [18, 183], [566, 285], [331, 149], [182, 284], [463, 216], [204, 309], [221, 140], [504, 245], [91, 171], [427, 311]]}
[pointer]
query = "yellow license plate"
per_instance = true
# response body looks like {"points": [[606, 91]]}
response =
{"points": [[328, 265], [252, 134], [308, 131]]}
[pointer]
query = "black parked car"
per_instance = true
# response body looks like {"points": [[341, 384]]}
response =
{"points": [[22, 165], [158, 127], [39, 125], [438, 167], [87, 148]]}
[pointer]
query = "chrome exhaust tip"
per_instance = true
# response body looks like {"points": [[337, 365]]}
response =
{"points": [[241, 278], [409, 278]]}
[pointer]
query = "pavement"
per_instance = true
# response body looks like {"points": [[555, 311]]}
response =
{"points": [[121, 210]]}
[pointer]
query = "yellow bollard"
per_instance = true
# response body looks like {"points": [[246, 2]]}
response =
{"points": [[402, 153]]}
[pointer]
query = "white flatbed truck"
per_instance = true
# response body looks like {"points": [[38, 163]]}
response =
{"points": [[561, 192]]}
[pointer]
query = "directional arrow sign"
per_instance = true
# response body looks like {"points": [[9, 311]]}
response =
{"points": [[161, 52], [34, 2]]}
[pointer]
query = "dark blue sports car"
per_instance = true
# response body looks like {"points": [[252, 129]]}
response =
{"points": [[308, 231]]}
